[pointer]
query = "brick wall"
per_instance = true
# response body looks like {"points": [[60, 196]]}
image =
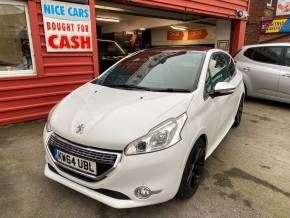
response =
{"points": [[258, 12]]}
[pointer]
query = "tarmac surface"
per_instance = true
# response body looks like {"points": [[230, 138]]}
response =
{"points": [[247, 176]]}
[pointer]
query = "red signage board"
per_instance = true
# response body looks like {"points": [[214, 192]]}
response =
{"points": [[175, 35], [197, 34]]}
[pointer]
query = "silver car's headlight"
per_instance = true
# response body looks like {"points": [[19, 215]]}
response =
{"points": [[48, 126], [162, 136]]}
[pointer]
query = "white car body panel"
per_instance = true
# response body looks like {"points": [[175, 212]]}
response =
{"points": [[106, 111], [284, 83], [113, 118]]}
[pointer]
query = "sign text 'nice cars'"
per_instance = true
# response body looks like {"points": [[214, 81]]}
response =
{"points": [[67, 26]]}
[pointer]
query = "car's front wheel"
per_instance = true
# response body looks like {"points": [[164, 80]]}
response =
{"points": [[193, 171]]}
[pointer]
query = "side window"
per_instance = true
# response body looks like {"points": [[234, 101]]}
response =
{"points": [[249, 53], [218, 68], [287, 57], [231, 65], [268, 54], [208, 86]]}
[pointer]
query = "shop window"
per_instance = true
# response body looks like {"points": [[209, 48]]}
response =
{"points": [[15, 40]]}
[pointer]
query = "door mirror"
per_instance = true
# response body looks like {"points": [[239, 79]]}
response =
{"points": [[223, 88]]}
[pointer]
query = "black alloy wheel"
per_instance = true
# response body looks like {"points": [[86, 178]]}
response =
{"points": [[193, 171]]}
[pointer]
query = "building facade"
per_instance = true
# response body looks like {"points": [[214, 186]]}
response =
{"points": [[38, 66], [268, 22]]}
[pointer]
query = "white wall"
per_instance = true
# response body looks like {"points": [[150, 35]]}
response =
{"points": [[159, 37], [223, 31], [134, 24]]}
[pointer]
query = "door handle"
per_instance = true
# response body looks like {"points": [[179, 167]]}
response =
{"points": [[246, 68], [286, 75]]}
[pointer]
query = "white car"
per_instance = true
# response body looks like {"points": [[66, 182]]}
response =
{"points": [[140, 133]]}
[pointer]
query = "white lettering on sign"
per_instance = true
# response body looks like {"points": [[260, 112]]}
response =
{"points": [[67, 26]]}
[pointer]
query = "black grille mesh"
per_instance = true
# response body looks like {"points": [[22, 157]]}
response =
{"points": [[105, 161]]}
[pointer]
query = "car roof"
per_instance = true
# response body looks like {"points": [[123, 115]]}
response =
{"points": [[267, 44]]}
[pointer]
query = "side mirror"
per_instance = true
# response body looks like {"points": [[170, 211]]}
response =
{"points": [[223, 88]]}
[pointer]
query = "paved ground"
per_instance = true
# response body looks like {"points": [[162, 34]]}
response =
{"points": [[247, 176]]}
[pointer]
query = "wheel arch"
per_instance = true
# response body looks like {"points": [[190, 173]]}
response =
{"points": [[204, 138], [247, 84]]}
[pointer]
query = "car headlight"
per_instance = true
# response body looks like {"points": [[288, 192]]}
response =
{"points": [[48, 126], [162, 136]]}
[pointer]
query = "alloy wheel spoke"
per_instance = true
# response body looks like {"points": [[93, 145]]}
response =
{"points": [[196, 168]]}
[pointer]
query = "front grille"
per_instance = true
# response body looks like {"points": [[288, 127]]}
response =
{"points": [[105, 160]]}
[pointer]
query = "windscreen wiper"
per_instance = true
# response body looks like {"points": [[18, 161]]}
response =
{"points": [[172, 90], [125, 86]]}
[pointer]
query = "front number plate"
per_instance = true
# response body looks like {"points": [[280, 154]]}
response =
{"points": [[74, 162]]}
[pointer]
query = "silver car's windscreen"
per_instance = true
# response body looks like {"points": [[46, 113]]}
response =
{"points": [[156, 71]]}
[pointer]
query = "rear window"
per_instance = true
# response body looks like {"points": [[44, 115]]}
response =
{"points": [[269, 55], [110, 48]]}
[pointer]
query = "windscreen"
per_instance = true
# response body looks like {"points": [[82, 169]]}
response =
{"points": [[156, 71]]}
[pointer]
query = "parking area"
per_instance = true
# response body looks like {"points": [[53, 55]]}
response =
{"points": [[247, 176]]}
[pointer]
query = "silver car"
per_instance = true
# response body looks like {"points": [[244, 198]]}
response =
{"points": [[266, 70]]}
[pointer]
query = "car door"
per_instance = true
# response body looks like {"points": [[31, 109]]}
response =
{"points": [[233, 100], [211, 109], [261, 70], [284, 81], [218, 72]]}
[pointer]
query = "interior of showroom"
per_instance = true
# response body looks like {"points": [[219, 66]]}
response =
{"points": [[134, 28]]}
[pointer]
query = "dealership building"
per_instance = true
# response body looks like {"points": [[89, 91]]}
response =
{"points": [[48, 48]]}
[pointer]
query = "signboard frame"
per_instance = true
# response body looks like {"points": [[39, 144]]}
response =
{"points": [[275, 26], [67, 26]]}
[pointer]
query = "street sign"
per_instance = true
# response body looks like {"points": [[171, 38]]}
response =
{"points": [[275, 26]]}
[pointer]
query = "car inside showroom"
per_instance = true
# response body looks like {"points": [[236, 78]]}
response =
{"points": [[135, 28]]}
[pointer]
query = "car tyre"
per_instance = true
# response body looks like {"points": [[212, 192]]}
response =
{"points": [[193, 171], [239, 114], [246, 91]]}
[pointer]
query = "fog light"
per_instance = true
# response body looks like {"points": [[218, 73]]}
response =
{"points": [[143, 192]]}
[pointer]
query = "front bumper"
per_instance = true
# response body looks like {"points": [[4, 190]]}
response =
{"points": [[160, 171]]}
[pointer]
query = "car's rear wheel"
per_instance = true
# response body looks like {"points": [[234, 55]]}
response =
{"points": [[193, 171], [239, 114]]}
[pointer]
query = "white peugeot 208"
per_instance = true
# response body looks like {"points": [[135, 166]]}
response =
{"points": [[139, 134]]}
